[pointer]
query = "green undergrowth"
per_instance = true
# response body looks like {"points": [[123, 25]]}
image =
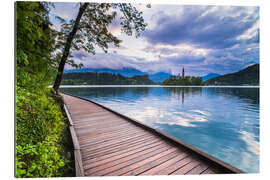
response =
{"points": [[43, 142]]}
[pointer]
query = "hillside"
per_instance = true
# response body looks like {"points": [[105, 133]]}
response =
{"points": [[247, 76], [127, 72], [159, 77], [209, 76], [94, 78]]}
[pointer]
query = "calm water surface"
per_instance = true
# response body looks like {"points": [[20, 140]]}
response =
{"points": [[223, 122]]}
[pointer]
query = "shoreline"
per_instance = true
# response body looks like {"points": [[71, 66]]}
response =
{"points": [[89, 86]]}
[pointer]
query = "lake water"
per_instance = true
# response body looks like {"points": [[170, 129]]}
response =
{"points": [[221, 121]]}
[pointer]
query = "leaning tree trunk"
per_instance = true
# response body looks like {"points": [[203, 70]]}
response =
{"points": [[67, 48]]}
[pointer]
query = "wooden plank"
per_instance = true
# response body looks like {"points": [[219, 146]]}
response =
{"points": [[92, 119], [103, 130], [90, 135], [208, 171], [152, 164], [109, 138], [121, 140], [82, 112], [187, 167], [77, 155], [68, 115], [174, 167], [100, 126], [166, 164], [130, 150], [82, 116], [113, 145], [88, 119], [116, 166], [101, 122], [84, 131], [116, 156], [142, 162], [78, 163], [74, 138], [115, 134], [91, 155], [121, 162], [199, 169]]}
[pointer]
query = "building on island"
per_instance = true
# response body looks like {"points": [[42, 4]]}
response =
{"points": [[183, 74]]}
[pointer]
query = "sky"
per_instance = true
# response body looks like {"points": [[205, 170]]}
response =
{"points": [[202, 39]]}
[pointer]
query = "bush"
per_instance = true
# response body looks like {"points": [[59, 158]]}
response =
{"points": [[40, 135]]}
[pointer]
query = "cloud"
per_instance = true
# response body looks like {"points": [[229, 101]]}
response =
{"points": [[203, 39], [118, 61], [204, 26]]}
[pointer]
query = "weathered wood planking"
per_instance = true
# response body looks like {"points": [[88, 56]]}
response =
{"points": [[111, 144]]}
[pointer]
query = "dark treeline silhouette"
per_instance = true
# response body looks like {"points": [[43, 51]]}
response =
{"points": [[247, 76], [111, 92], [186, 81], [94, 78]]}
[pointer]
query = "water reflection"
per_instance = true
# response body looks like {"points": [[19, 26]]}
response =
{"points": [[221, 121], [178, 92]]}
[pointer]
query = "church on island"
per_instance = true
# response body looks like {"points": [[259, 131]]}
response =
{"points": [[183, 74]]}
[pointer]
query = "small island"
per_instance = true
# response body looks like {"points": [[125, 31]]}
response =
{"points": [[183, 80]]}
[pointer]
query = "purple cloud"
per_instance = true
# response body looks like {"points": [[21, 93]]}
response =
{"points": [[202, 27]]}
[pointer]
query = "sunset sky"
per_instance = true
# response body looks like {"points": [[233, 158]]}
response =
{"points": [[203, 39]]}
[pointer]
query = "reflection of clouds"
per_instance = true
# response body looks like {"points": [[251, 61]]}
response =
{"points": [[178, 121], [151, 115], [204, 113], [252, 144], [248, 161], [186, 119]]}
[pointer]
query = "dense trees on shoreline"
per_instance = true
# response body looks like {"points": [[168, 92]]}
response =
{"points": [[186, 81], [93, 78], [247, 76]]}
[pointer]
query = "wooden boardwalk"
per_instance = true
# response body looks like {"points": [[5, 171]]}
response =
{"points": [[109, 144]]}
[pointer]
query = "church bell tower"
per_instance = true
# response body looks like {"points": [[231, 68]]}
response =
{"points": [[183, 73]]}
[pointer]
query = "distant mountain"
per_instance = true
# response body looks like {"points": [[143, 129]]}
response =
{"points": [[127, 72], [210, 76], [247, 76], [159, 77]]}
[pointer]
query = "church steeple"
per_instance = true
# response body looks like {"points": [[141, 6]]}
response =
{"points": [[183, 73]]}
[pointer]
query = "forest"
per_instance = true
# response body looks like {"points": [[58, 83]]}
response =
{"points": [[247, 76], [42, 136], [94, 78], [186, 81]]}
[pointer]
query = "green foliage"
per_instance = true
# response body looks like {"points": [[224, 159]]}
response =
{"points": [[186, 81], [93, 78], [93, 27], [34, 39], [41, 128], [247, 76], [40, 135]]}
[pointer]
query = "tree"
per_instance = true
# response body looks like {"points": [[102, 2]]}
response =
{"points": [[35, 44], [90, 29]]}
